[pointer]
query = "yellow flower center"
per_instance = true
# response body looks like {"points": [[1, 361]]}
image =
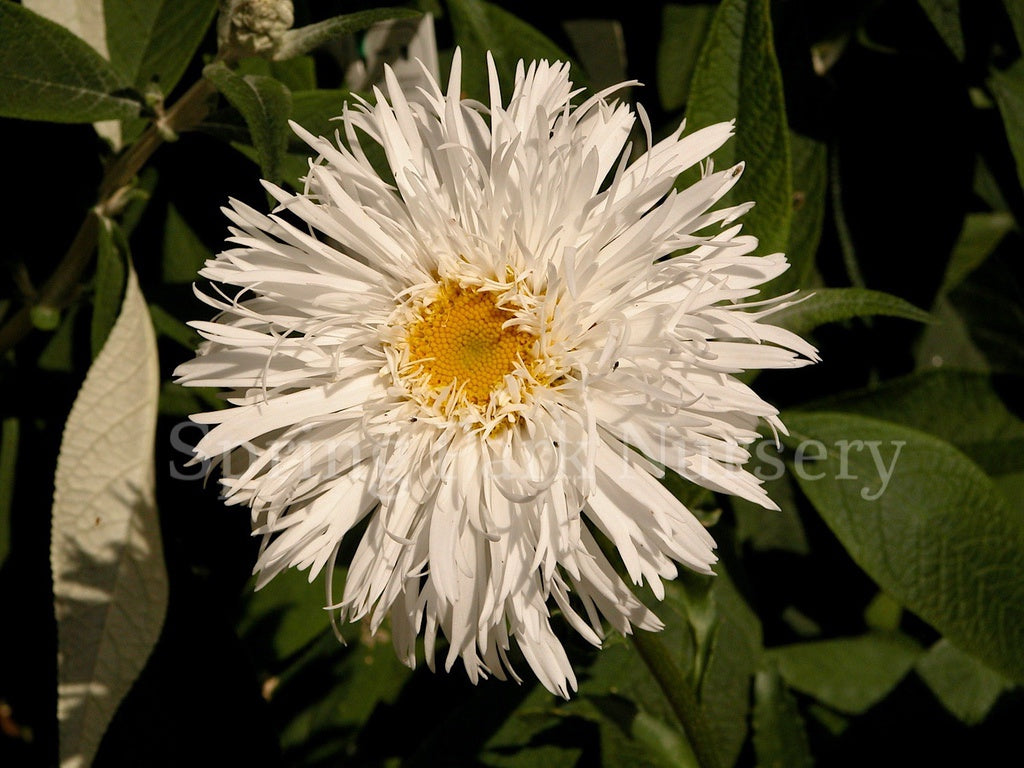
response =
{"points": [[462, 338]]}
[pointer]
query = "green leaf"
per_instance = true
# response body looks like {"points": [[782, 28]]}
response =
{"points": [[296, 42], [963, 408], [1015, 10], [631, 736], [111, 257], [780, 739], [981, 235], [831, 305], [991, 303], [945, 17], [183, 252], [167, 325], [965, 687], [480, 27], [850, 674], [283, 617], [109, 582], [138, 199], [1008, 88], [298, 74], [265, 104], [766, 529], [712, 642], [155, 40], [734, 657], [324, 699], [316, 111], [9, 438], [926, 524], [683, 28], [883, 613], [810, 183], [738, 76], [600, 47], [58, 354], [947, 343], [47, 73], [179, 401], [85, 18]]}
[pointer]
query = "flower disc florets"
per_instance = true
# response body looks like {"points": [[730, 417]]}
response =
{"points": [[465, 352], [489, 359]]}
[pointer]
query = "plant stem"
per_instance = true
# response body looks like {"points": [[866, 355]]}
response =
{"points": [[57, 291], [680, 694], [673, 683]]}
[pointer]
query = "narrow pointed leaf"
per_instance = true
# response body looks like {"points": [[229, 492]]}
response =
{"points": [[265, 104], [296, 42], [111, 256], [831, 305], [738, 77], [109, 581], [1008, 88], [780, 738], [810, 186], [683, 28], [945, 17]]}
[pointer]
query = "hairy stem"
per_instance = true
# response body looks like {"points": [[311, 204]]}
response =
{"points": [[676, 686], [680, 694], [58, 290]]}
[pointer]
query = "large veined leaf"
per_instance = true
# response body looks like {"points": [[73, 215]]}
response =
{"points": [[738, 77], [109, 581], [925, 523], [47, 73], [961, 407]]}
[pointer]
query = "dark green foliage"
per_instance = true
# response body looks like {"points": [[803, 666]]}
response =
{"points": [[877, 618]]}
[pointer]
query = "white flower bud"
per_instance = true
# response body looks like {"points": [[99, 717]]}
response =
{"points": [[252, 27]]}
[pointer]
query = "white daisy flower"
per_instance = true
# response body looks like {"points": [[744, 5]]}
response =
{"points": [[490, 358]]}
